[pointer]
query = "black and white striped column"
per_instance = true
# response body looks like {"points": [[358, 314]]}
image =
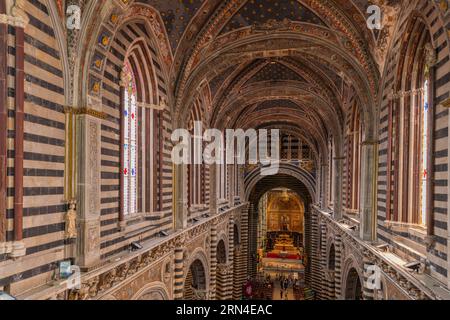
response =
{"points": [[240, 262], [338, 267], [315, 257], [308, 250], [369, 273], [252, 243], [178, 274], [213, 263], [326, 287], [228, 292]]}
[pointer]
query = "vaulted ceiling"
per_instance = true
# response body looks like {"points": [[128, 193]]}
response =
{"points": [[308, 52], [292, 64]]}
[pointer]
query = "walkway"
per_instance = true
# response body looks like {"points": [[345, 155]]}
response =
{"points": [[277, 295]]}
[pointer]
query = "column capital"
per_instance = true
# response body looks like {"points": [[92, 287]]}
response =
{"points": [[15, 21], [125, 78], [85, 111], [152, 106], [18, 18], [369, 143]]}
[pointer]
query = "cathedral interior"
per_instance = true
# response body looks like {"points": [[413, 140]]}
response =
{"points": [[93, 207]]}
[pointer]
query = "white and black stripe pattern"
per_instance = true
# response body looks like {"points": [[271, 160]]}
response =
{"points": [[338, 266], [213, 262], [178, 280], [240, 261], [316, 282], [438, 255], [44, 153]]}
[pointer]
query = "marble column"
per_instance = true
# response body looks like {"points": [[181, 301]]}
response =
{"points": [[89, 167], [315, 254], [324, 187], [213, 262], [228, 295], [231, 169], [252, 240], [368, 291], [180, 197], [368, 190], [178, 273], [338, 172], [241, 261], [308, 247], [3, 121], [323, 262], [338, 267], [20, 21], [212, 189]]}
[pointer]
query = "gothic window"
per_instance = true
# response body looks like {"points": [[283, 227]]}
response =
{"points": [[410, 124], [354, 136], [424, 153], [196, 169], [330, 171], [130, 143]]}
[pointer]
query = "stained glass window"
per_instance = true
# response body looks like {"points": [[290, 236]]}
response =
{"points": [[424, 151], [130, 144]]}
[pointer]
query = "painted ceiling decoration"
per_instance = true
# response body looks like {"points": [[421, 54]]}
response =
{"points": [[209, 42], [275, 71], [263, 11], [277, 103], [311, 51], [176, 15]]}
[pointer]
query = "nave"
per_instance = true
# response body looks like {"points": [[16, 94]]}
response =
{"points": [[112, 111]]}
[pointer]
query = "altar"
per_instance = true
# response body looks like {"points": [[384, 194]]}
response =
{"points": [[284, 248]]}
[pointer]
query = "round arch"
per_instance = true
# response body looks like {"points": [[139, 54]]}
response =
{"points": [[352, 280], [199, 262], [297, 173], [222, 252], [152, 291]]}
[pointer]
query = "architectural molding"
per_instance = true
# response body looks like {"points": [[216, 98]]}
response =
{"points": [[410, 285]]}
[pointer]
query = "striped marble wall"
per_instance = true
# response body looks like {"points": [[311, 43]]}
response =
{"points": [[44, 203], [160, 218], [438, 254]]}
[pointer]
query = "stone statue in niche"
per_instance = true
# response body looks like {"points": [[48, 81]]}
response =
{"points": [[71, 220]]}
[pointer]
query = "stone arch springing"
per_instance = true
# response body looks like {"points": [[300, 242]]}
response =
{"points": [[152, 291]]}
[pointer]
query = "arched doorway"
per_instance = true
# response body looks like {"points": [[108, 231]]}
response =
{"points": [[353, 286], [195, 282]]}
